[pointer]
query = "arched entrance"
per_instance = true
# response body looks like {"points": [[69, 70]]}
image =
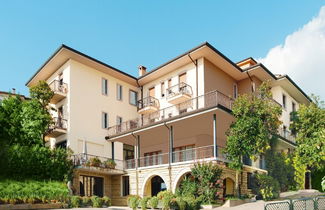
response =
{"points": [[228, 187], [154, 185]]}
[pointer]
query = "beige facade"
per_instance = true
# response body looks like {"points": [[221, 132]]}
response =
{"points": [[182, 113]]}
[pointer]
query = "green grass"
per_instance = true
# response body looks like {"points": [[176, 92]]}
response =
{"points": [[30, 191]]}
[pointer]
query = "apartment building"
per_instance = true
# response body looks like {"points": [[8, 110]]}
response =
{"points": [[157, 125]]}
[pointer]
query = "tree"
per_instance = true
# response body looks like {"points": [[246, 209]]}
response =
{"points": [[309, 124], [256, 124], [42, 92]]}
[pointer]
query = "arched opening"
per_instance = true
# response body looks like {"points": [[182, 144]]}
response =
{"points": [[228, 187], [186, 175], [154, 185]]}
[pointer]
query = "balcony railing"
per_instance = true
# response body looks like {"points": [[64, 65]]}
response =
{"points": [[287, 135], [181, 88], [148, 102], [208, 100], [92, 161], [59, 123], [59, 87], [194, 154]]}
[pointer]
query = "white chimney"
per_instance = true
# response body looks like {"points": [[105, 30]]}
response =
{"points": [[13, 91], [142, 70]]}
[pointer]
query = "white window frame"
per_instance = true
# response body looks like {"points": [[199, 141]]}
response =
{"points": [[103, 120], [235, 91], [104, 89], [119, 89], [136, 97]]}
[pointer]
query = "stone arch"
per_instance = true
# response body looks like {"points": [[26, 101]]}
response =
{"points": [[179, 177], [228, 186], [147, 182]]}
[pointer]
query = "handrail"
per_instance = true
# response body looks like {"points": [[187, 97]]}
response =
{"points": [[287, 135], [60, 123], [87, 160], [148, 101], [58, 86], [207, 100], [180, 88]]}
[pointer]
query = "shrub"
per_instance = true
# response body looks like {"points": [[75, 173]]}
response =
{"points": [[33, 191], [96, 201], [133, 201], [86, 201], [75, 201], [143, 202], [106, 201], [37, 162], [109, 164], [323, 184], [266, 186], [153, 202], [166, 198], [192, 203], [95, 162], [181, 203]]}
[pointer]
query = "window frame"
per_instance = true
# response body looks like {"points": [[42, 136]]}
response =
{"points": [[104, 86], [117, 92], [125, 191], [136, 97], [235, 91], [284, 101], [105, 123]]}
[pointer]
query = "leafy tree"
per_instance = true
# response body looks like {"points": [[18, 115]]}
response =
{"points": [[203, 183], [256, 123], [309, 124], [42, 92]]}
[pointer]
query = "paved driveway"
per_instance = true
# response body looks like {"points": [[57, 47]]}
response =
{"points": [[258, 205]]}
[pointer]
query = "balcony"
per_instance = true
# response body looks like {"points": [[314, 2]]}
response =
{"points": [[181, 156], [58, 127], [179, 93], [98, 164], [60, 90], [287, 135], [208, 100], [148, 105]]}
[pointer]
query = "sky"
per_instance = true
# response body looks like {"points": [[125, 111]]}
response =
{"points": [[287, 36]]}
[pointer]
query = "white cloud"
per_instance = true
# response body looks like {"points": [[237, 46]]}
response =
{"points": [[302, 56]]}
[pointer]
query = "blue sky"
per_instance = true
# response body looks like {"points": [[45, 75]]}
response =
{"points": [[126, 34]]}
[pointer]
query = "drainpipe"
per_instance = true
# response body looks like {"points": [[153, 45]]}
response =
{"points": [[136, 162], [250, 78], [141, 96], [196, 80], [170, 153]]}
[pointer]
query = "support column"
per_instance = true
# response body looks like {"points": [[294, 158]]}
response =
{"points": [[113, 151], [137, 161], [171, 144], [215, 146]]}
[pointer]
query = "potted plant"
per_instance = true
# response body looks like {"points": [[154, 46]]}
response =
{"points": [[95, 162], [110, 164]]}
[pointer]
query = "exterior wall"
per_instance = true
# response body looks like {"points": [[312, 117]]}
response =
{"points": [[277, 92], [190, 80], [216, 79], [86, 106], [245, 85]]}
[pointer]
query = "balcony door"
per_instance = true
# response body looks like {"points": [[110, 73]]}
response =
{"points": [[152, 92], [182, 78]]}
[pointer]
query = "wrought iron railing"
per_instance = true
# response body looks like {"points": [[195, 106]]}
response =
{"points": [[59, 87], [287, 135], [59, 123], [87, 161], [193, 154], [181, 88], [205, 101], [147, 102]]}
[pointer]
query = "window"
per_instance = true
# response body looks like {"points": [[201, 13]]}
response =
{"points": [[119, 92], [104, 120], [293, 106], [169, 83], [133, 97], [182, 78], [247, 161], [119, 123], [184, 153], [104, 87], [249, 180], [152, 158], [162, 89], [91, 185], [125, 185], [128, 152], [262, 162], [235, 91], [284, 101], [152, 92], [285, 131]]}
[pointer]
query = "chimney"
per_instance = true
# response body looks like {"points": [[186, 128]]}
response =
{"points": [[13, 91], [142, 70]]}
